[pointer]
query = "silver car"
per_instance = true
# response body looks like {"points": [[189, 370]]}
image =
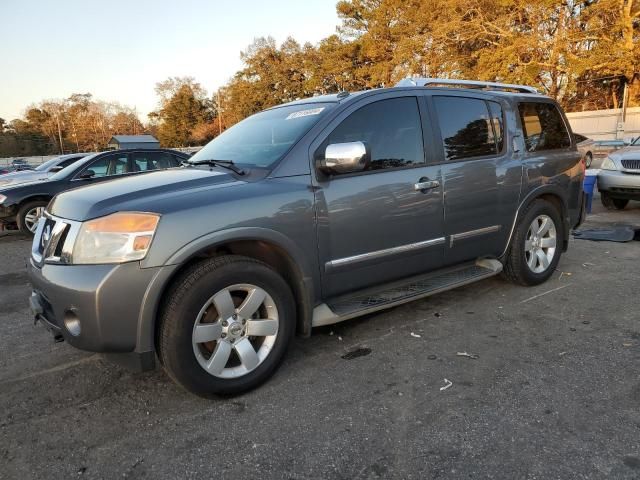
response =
{"points": [[41, 172], [619, 178], [595, 151]]}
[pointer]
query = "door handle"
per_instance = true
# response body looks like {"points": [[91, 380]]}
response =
{"points": [[424, 185]]}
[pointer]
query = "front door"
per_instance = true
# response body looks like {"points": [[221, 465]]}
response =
{"points": [[104, 168], [384, 223]]}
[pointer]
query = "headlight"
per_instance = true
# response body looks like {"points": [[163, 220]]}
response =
{"points": [[608, 164], [2, 199], [120, 237]]}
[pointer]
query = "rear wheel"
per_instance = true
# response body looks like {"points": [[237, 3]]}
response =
{"points": [[226, 326], [588, 159], [535, 249], [29, 214], [613, 203]]}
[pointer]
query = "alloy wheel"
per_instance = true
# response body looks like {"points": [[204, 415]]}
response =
{"points": [[235, 331], [32, 217], [540, 243]]}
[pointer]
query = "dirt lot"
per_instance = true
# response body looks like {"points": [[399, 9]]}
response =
{"points": [[554, 392]]}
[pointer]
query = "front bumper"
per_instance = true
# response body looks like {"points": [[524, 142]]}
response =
{"points": [[7, 213], [106, 299], [619, 184]]}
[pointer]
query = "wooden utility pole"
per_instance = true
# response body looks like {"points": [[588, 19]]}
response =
{"points": [[219, 113], [625, 103], [59, 133]]}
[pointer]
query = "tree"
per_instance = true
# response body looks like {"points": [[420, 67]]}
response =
{"points": [[181, 113]]}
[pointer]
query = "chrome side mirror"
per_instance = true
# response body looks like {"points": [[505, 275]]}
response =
{"points": [[345, 158]]}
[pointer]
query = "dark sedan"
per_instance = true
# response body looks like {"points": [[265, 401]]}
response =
{"points": [[25, 203]]}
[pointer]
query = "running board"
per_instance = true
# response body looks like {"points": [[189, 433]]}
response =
{"points": [[397, 293]]}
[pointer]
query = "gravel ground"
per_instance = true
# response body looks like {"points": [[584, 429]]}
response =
{"points": [[554, 392]]}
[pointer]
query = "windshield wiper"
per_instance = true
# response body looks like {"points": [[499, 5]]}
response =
{"points": [[220, 163]]}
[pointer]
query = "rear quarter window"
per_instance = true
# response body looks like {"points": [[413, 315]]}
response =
{"points": [[543, 127]]}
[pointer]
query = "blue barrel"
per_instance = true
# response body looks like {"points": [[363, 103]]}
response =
{"points": [[588, 185]]}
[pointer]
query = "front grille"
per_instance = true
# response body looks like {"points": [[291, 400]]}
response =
{"points": [[631, 164], [45, 235], [54, 240]]}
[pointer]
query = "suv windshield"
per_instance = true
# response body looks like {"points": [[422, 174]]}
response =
{"points": [[262, 139]]}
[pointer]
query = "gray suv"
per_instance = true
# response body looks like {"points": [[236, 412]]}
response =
{"points": [[308, 214]]}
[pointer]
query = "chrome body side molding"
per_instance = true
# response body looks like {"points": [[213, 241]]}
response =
{"points": [[473, 233], [340, 262]]}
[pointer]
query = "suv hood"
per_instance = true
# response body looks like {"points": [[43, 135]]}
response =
{"points": [[146, 192]]}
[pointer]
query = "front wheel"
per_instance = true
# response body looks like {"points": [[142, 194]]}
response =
{"points": [[226, 325], [535, 249], [28, 216], [613, 203]]}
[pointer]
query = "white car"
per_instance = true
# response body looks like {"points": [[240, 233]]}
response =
{"points": [[41, 172], [619, 177]]}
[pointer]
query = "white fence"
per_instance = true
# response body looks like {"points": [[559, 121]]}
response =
{"points": [[606, 124]]}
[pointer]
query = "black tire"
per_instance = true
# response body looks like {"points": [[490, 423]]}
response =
{"points": [[189, 293], [588, 159], [21, 217], [516, 268], [613, 203]]}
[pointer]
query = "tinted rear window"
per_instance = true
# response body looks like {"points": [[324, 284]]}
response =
{"points": [[543, 127], [467, 127]]}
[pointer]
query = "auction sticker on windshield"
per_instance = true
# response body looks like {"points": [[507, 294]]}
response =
{"points": [[305, 113]]}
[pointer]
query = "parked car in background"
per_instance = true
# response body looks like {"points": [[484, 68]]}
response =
{"points": [[619, 177], [41, 172], [595, 151], [308, 214], [20, 167], [24, 203]]}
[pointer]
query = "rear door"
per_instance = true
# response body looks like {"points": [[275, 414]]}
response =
{"points": [[143, 161], [482, 175], [379, 225]]}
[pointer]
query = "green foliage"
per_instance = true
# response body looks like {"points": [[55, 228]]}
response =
{"points": [[185, 111]]}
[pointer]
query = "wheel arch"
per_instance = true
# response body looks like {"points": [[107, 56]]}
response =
{"points": [[268, 246], [34, 198], [554, 195]]}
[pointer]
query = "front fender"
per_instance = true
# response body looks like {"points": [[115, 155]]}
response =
{"points": [[162, 279]]}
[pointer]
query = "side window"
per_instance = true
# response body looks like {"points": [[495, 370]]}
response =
{"points": [[543, 127], [466, 127], [143, 161], [391, 128], [66, 163], [109, 165]]}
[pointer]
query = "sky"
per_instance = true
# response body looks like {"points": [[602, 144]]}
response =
{"points": [[118, 49]]}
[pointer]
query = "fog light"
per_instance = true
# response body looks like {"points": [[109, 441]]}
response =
{"points": [[72, 323]]}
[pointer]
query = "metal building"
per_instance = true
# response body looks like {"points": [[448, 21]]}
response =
{"points": [[118, 142]]}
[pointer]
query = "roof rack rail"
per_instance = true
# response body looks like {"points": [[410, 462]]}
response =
{"points": [[447, 82]]}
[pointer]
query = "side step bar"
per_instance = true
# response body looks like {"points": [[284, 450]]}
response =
{"points": [[378, 298]]}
